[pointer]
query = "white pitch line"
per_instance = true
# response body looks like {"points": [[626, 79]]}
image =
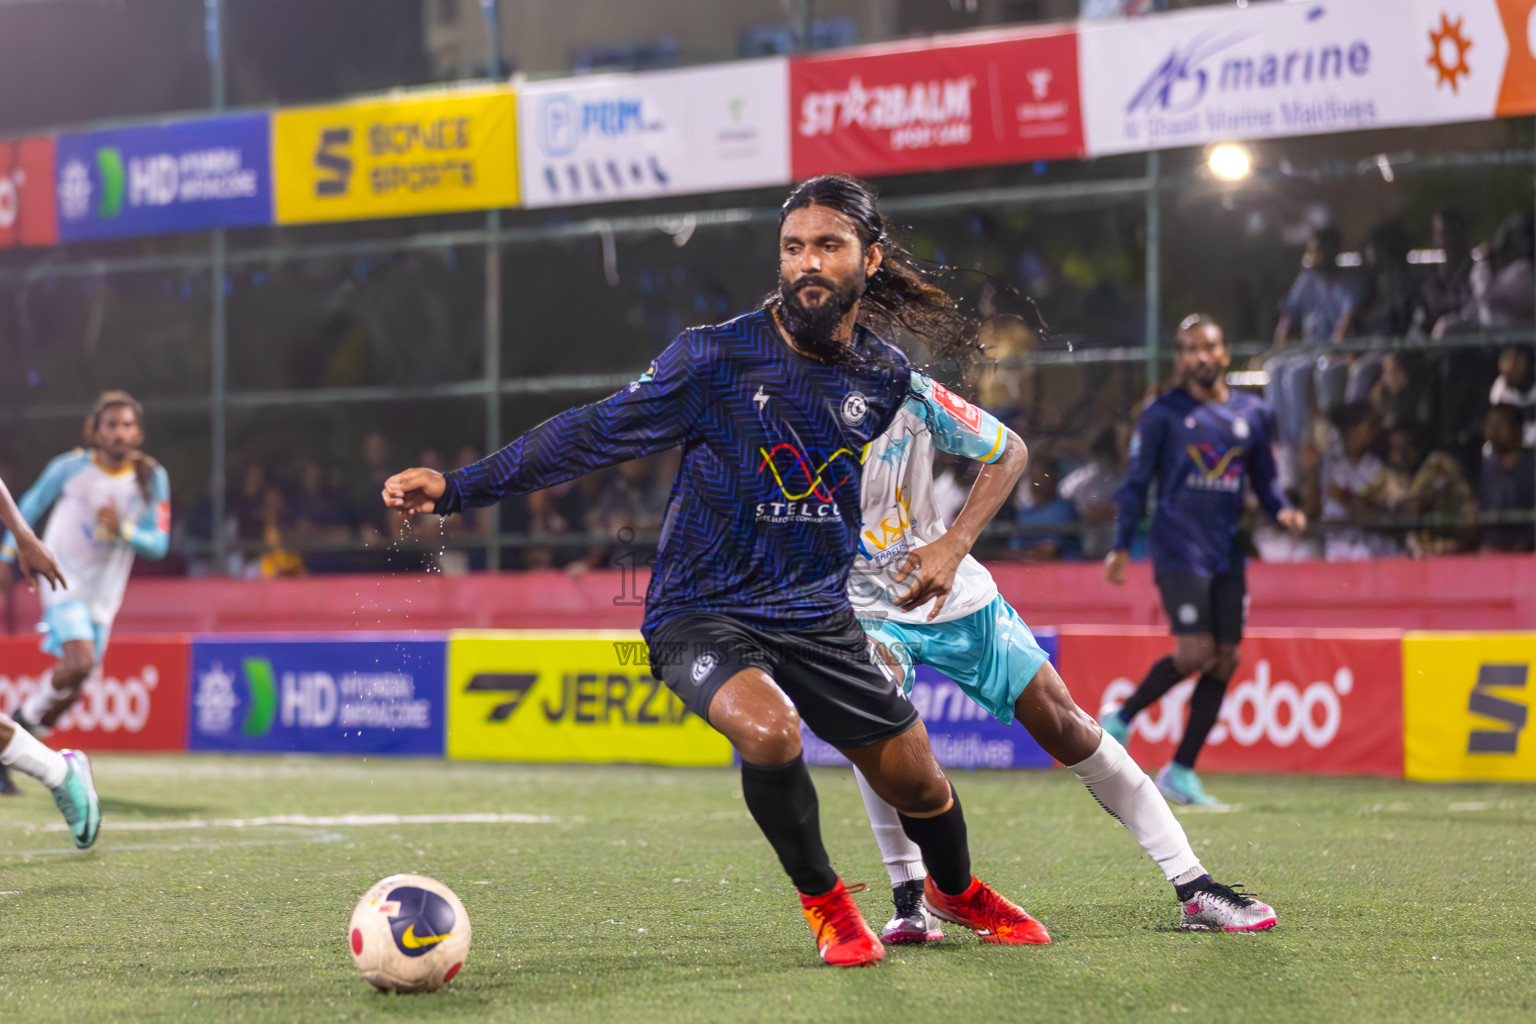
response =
{"points": [[357, 820]]}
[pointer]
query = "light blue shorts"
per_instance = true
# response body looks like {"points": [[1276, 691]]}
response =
{"points": [[71, 620], [990, 654]]}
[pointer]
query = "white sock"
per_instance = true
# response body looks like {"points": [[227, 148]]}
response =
{"points": [[1125, 791], [39, 703], [28, 756], [903, 860]]}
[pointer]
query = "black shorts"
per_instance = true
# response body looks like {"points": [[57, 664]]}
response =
{"points": [[1215, 605], [841, 693]]}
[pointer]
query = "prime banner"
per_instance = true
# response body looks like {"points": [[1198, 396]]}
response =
{"points": [[1319, 702], [609, 137], [1277, 70], [944, 102], [137, 700], [396, 157], [580, 696], [1468, 700], [328, 694], [961, 733], [158, 179]]}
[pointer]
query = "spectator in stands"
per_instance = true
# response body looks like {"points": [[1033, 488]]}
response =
{"points": [[1393, 302], [1508, 483], [1439, 494], [377, 525], [1091, 490], [1447, 287], [1042, 506], [320, 514], [1398, 394], [1348, 489], [1504, 284], [1516, 385], [1320, 307]]}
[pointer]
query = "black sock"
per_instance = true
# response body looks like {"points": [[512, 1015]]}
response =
{"points": [[1188, 889], [946, 852], [783, 802], [1161, 678], [1204, 706]]}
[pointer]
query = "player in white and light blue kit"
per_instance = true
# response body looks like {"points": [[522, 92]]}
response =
{"points": [[110, 503], [921, 597]]}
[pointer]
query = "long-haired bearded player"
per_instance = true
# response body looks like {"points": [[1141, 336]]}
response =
{"points": [[110, 502], [747, 615]]}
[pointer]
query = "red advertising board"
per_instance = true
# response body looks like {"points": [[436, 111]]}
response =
{"points": [[993, 99], [27, 213], [1320, 702], [137, 702]]}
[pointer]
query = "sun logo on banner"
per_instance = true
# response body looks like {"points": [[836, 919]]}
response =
{"points": [[1445, 39]]}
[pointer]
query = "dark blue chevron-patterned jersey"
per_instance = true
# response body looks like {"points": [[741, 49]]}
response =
{"points": [[762, 524], [1200, 453]]}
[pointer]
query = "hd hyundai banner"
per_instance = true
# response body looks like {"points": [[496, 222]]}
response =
{"points": [[156, 179], [324, 694], [1320, 702], [1276, 70], [610, 137], [944, 102], [137, 700]]}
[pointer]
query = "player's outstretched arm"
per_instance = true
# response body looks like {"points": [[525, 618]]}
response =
{"points": [[1131, 495], [1265, 477], [32, 556]]}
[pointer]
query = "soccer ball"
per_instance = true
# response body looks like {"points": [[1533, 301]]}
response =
{"points": [[409, 933]]}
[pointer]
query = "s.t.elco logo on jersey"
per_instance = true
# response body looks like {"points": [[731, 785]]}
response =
{"points": [[1512, 715]]}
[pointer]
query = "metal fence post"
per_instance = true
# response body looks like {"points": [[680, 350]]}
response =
{"points": [[1154, 276], [213, 24], [493, 363]]}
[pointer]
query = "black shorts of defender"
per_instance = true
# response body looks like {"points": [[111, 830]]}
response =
{"points": [[827, 672], [1217, 605]]}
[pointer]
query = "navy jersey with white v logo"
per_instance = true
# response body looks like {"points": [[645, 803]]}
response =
{"points": [[1200, 453], [762, 523]]}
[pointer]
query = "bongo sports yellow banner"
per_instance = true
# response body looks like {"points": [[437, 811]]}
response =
{"points": [[541, 695], [396, 157], [1467, 706]]}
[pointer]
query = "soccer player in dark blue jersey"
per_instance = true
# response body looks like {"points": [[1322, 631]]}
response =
{"points": [[747, 614], [1200, 441]]}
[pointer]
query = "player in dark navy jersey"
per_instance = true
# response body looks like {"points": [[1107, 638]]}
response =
{"points": [[1199, 442], [747, 614]]}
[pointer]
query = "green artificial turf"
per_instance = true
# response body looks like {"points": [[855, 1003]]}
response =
{"points": [[652, 897]]}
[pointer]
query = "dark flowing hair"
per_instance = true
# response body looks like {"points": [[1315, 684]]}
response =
{"points": [[899, 295], [144, 468]]}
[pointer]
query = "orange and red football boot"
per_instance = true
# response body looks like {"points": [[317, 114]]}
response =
{"points": [[988, 913], [843, 937]]}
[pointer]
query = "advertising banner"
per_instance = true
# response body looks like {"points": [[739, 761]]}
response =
{"points": [[27, 214], [937, 103], [961, 733], [396, 157], [327, 694], [1274, 70], [1468, 700], [609, 137], [162, 178], [138, 701], [1319, 702], [583, 696]]}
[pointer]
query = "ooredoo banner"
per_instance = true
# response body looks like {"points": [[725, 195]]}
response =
{"points": [[961, 733], [396, 157], [27, 214], [610, 137], [584, 696], [332, 694], [1318, 702], [156, 179], [1275, 70], [937, 103], [138, 701], [1469, 698]]}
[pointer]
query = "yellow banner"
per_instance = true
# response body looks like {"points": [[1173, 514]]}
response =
{"points": [[395, 158], [585, 696], [1467, 706]]}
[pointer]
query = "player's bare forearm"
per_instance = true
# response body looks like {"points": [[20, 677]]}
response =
{"points": [[990, 492], [10, 515]]}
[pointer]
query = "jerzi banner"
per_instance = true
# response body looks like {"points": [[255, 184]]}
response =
{"points": [[332, 695], [938, 103], [550, 696], [1274, 70], [27, 214], [1469, 698], [397, 157], [163, 178], [608, 137]]}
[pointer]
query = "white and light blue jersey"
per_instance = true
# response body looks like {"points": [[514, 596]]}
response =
{"points": [[899, 511], [95, 564]]}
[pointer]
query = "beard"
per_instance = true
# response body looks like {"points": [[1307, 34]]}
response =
{"points": [[1206, 376], [813, 327]]}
